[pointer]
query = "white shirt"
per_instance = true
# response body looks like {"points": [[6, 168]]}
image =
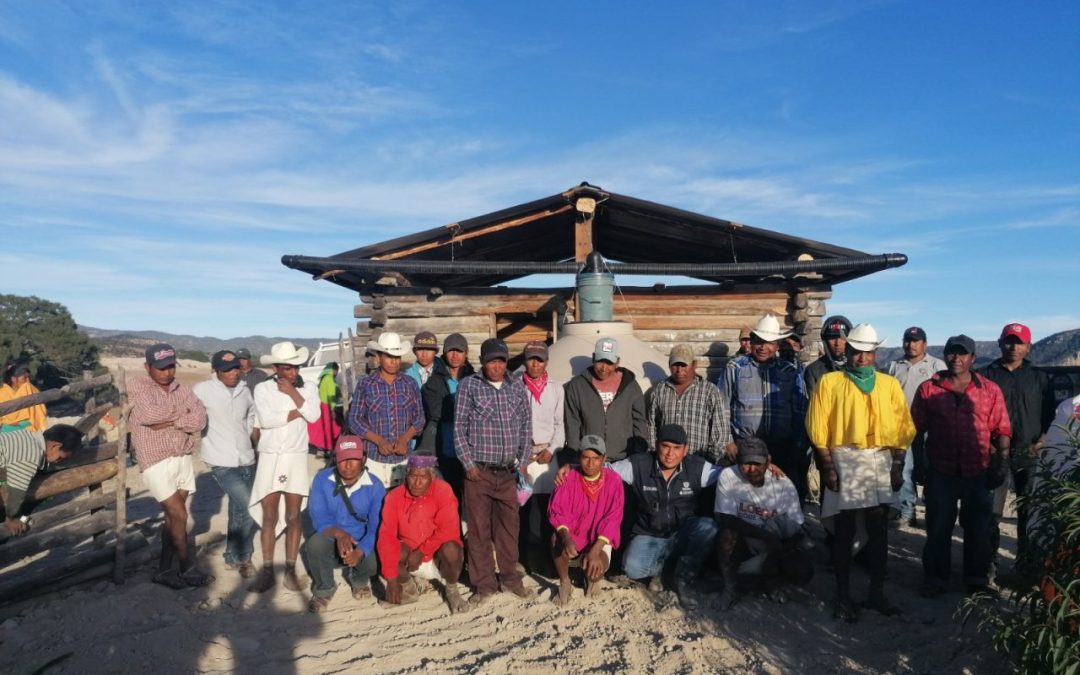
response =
{"points": [[548, 426], [911, 375], [774, 507], [230, 417], [272, 409]]}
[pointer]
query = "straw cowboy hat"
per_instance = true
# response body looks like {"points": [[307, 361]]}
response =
{"points": [[390, 343], [287, 353], [768, 329], [863, 338]]}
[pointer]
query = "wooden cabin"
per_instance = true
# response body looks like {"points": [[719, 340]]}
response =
{"points": [[432, 280]]}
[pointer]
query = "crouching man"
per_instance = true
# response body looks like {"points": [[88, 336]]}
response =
{"points": [[586, 511], [761, 526], [344, 505], [420, 536], [22, 454]]}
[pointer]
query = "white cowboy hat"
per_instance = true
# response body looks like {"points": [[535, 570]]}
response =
{"points": [[285, 352], [390, 343], [863, 338], [768, 329]]}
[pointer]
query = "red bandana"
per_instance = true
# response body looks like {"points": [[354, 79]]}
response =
{"points": [[535, 387], [592, 487]]}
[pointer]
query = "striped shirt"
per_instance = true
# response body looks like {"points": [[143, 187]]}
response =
{"points": [[702, 410], [153, 404], [388, 409], [492, 425], [22, 454], [767, 400]]}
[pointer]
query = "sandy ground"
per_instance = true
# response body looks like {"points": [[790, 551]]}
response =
{"points": [[139, 626]]}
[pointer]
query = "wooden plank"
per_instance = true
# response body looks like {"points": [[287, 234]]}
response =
{"points": [[87, 455], [41, 519], [583, 236], [479, 307], [439, 325], [726, 321], [70, 533], [43, 487], [89, 421], [50, 395], [120, 509]]}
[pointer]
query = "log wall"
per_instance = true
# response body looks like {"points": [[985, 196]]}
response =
{"points": [[706, 317]]}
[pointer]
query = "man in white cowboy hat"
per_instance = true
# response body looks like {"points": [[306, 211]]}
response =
{"points": [[284, 406], [386, 411], [860, 427], [768, 400]]}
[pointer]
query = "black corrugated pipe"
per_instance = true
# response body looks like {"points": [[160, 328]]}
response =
{"points": [[869, 263]]}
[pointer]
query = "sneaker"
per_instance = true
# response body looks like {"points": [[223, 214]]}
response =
{"points": [[263, 581]]}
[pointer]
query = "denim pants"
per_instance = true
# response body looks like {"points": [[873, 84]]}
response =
{"points": [[236, 482], [908, 494], [646, 555], [320, 556], [941, 494]]}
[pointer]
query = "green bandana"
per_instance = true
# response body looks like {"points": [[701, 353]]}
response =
{"points": [[863, 377]]}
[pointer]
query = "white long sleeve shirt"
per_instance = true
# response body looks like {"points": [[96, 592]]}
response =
{"points": [[230, 415], [272, 409]]}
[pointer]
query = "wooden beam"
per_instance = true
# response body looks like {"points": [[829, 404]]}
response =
{"points": [[45, 518], [54, 394], [455, 236], [583, 236], [72, 479]]}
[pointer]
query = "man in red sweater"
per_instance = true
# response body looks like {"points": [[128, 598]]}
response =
{"points": [[420, 536]]}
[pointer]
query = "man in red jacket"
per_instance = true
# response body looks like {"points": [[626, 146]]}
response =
{"points": [[420, 536]]}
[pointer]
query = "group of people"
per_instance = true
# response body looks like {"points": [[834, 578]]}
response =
{"points": [[441, 468]]}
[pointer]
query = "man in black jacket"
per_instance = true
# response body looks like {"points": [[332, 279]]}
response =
{"points": [[1030, 403], [605, 400], [834, 339], [439, 394]]}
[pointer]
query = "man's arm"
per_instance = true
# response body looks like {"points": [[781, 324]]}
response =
{"points": [[558, 439], [610, 524], [268, 415], [193, 417], [625, 469], [652, 412], [720, 424], [389, 546], [310, 407], [375, 502], [147, 407], [572, 408], [447, 524], [637, 414]]}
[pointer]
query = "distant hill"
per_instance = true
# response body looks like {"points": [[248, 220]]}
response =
{"points": [[1059, 349], [134, 343]]}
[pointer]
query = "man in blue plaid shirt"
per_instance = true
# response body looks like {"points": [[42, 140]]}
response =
{"points": [[493, 438]]}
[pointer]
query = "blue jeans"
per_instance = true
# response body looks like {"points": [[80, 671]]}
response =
{"points": [[645, 556], [236, 482], [908, 494], [976, 516]]}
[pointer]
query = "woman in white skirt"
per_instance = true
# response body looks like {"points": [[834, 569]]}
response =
{"points": [[284, 406]]}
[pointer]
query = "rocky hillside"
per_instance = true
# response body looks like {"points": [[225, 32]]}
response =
{"points": [[1059, 349], [134, 343]]}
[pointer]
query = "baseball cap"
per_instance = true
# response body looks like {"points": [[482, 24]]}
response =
{"points": [[960, 341], [835, 326], [493, 348], [681, 354], [751, 450], [425, 339], [224, 361], [349, 447], [243, 353], [915, 334], [160, 356], [606, 349], [1017, 330], [593, 442], [455, 341], [536, 349], [673, 433]]}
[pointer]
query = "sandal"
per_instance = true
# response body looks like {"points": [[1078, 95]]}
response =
{"points": [[169, 578], [845, 610], [195, 577]]}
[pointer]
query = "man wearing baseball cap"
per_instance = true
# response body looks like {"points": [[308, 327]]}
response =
{"points": [[834, 331], [345, 503], [165, 416], [964, 425], [439, 397], [916, 367], [605, 400], [1030, 402], [249, 374], [698, 406], [425, 348], [227, 448]]}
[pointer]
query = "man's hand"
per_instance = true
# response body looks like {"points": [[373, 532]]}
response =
{"points": [[732, 450], [473, 473], [776, 471], [416, 556], [567, 543], [594, 561], [542, 457], [560, 475], [393, 591], [15, 526], [896, 476], [345, 543], [401, 447], [286, 387], [385, 446], [354, 558], [830, 479]]}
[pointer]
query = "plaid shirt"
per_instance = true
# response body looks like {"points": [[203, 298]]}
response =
{"points": [[767, 400], [702, 409], [152, 404], [388, 410], [492, 425], [960, 428]]}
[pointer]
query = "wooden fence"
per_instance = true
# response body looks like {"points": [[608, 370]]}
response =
{"points": [[79, 506]]}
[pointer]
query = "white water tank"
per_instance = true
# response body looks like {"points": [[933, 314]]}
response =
{"points": [[573, 351]]}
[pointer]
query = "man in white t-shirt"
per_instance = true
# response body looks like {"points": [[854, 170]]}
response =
{"points": [[761, 526]]}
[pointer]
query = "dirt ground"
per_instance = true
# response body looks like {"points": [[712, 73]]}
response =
{"points": [[140, 626]]}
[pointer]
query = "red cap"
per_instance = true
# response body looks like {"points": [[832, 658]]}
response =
{"points": [[348, 447], [1017, 330]]}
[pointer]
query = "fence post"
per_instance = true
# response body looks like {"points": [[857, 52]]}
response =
{"points": [[121, 479]]}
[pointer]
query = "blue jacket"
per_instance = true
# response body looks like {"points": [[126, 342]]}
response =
{"points": [[328, 510]]}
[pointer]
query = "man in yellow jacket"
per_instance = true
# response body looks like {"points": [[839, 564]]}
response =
{"points": [[860, 427]]}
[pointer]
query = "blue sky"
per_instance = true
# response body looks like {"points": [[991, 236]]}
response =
{"points": [[157, 159]]}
